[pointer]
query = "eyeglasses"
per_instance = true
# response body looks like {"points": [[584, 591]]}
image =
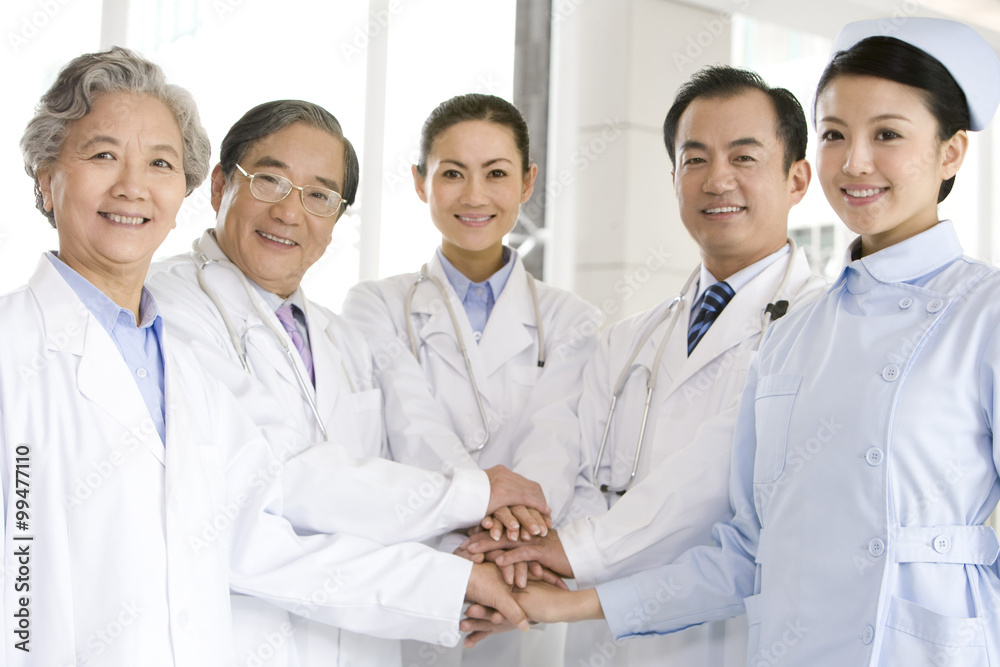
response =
{"points": [[273, 188]]}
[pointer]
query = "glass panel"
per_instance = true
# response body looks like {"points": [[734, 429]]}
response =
{"points": [[39, 38], [450, 47]]}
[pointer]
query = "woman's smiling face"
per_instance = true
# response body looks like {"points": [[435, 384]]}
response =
{"points": [[474, 184], [880, 159]]}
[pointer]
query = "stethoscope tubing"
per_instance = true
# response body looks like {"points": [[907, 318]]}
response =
{"points": [[425, 276], [673, 311], [239, 342]]}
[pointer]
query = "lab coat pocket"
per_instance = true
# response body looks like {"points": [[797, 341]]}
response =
{"points": [[916, 635], [773, 402]]}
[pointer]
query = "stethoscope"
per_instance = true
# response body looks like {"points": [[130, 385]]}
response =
{"points": [[240, 341], [776, 309], [460, 339]]}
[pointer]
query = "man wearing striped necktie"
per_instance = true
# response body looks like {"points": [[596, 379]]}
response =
{"points": [[738, 150]]}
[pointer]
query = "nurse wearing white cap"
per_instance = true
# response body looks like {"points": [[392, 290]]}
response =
{"points": [[864, 464]]}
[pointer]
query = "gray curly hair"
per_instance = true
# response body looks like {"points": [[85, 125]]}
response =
{"points": [[72, 95]]}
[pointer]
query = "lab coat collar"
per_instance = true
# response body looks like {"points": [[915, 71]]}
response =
{"points": [[437, 331], [327, 360], [742, 318], [904, 262], [71, 328], [237, 302]]}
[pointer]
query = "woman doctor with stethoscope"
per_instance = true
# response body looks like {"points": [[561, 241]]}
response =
{"points": [[502, 352]]}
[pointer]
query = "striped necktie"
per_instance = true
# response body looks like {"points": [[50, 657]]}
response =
{"points": [[709, 305], [287, 319]]}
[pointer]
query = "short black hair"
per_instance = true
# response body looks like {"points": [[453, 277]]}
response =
{"points": [[270, 117], [723, 81], [895, 60]]}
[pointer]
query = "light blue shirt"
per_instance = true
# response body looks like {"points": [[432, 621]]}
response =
{"points": [[478, 299], [739, 279], [141, 346], [864, 465]]}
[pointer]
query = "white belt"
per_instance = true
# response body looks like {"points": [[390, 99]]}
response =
{"points": [[973, 545]]}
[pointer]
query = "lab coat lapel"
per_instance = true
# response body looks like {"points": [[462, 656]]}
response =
{"points": [[327, 361], [675, 358], [260, 341], [71, 329], [741, 319], [434, 327], [506, 334]]}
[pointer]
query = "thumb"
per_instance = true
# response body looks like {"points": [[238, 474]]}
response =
{"points": [[506, 605]]}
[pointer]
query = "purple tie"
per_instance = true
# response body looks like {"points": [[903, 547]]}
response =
{"points": [[287, 320]]}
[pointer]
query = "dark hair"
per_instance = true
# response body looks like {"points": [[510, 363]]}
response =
{"points": [[71, 97], [474, 106], [266, 119], [895, 60], [723, 81]]}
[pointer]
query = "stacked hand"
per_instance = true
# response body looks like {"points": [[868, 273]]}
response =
{"points": [[517, 504], [542, 602]]}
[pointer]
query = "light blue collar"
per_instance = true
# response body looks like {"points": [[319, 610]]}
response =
{"points": [[496, 282]]}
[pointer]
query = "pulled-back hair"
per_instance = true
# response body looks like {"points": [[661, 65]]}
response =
{"points": [[474, 106]]}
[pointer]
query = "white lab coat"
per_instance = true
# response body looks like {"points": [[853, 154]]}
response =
{"points": [[864, 466], [110, 578], [531, 410], [326, 490], [681, 487], [132, 540]]}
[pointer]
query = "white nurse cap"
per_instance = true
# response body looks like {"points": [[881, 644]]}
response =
{"points": [[969, 59]]}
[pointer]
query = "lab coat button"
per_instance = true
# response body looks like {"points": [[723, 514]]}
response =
{"points": [[935, 305], [141, 372], [905, 302], [942, 544], [182, 619], [874, 456], [876, 547], [890, 373], [868, 635]]}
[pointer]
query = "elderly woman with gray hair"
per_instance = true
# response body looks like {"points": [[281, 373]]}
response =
{"points": [[102, 482]]}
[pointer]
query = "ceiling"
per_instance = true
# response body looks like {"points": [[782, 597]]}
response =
{"points": [[827, 17]]}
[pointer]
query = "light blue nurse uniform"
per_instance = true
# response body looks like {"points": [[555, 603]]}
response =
{"points": [[864, 467]]}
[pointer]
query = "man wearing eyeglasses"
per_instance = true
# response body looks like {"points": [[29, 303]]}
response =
{"points": [[285, 176]]}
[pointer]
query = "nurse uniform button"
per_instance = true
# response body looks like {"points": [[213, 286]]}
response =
{"points": [[182, 619], [876, 547], [874, 456], [868, 635], [905, 302], [935, 305], [890, 373], [942, 544]]}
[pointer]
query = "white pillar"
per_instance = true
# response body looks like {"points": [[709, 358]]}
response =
{"points": [[619, 64]]}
